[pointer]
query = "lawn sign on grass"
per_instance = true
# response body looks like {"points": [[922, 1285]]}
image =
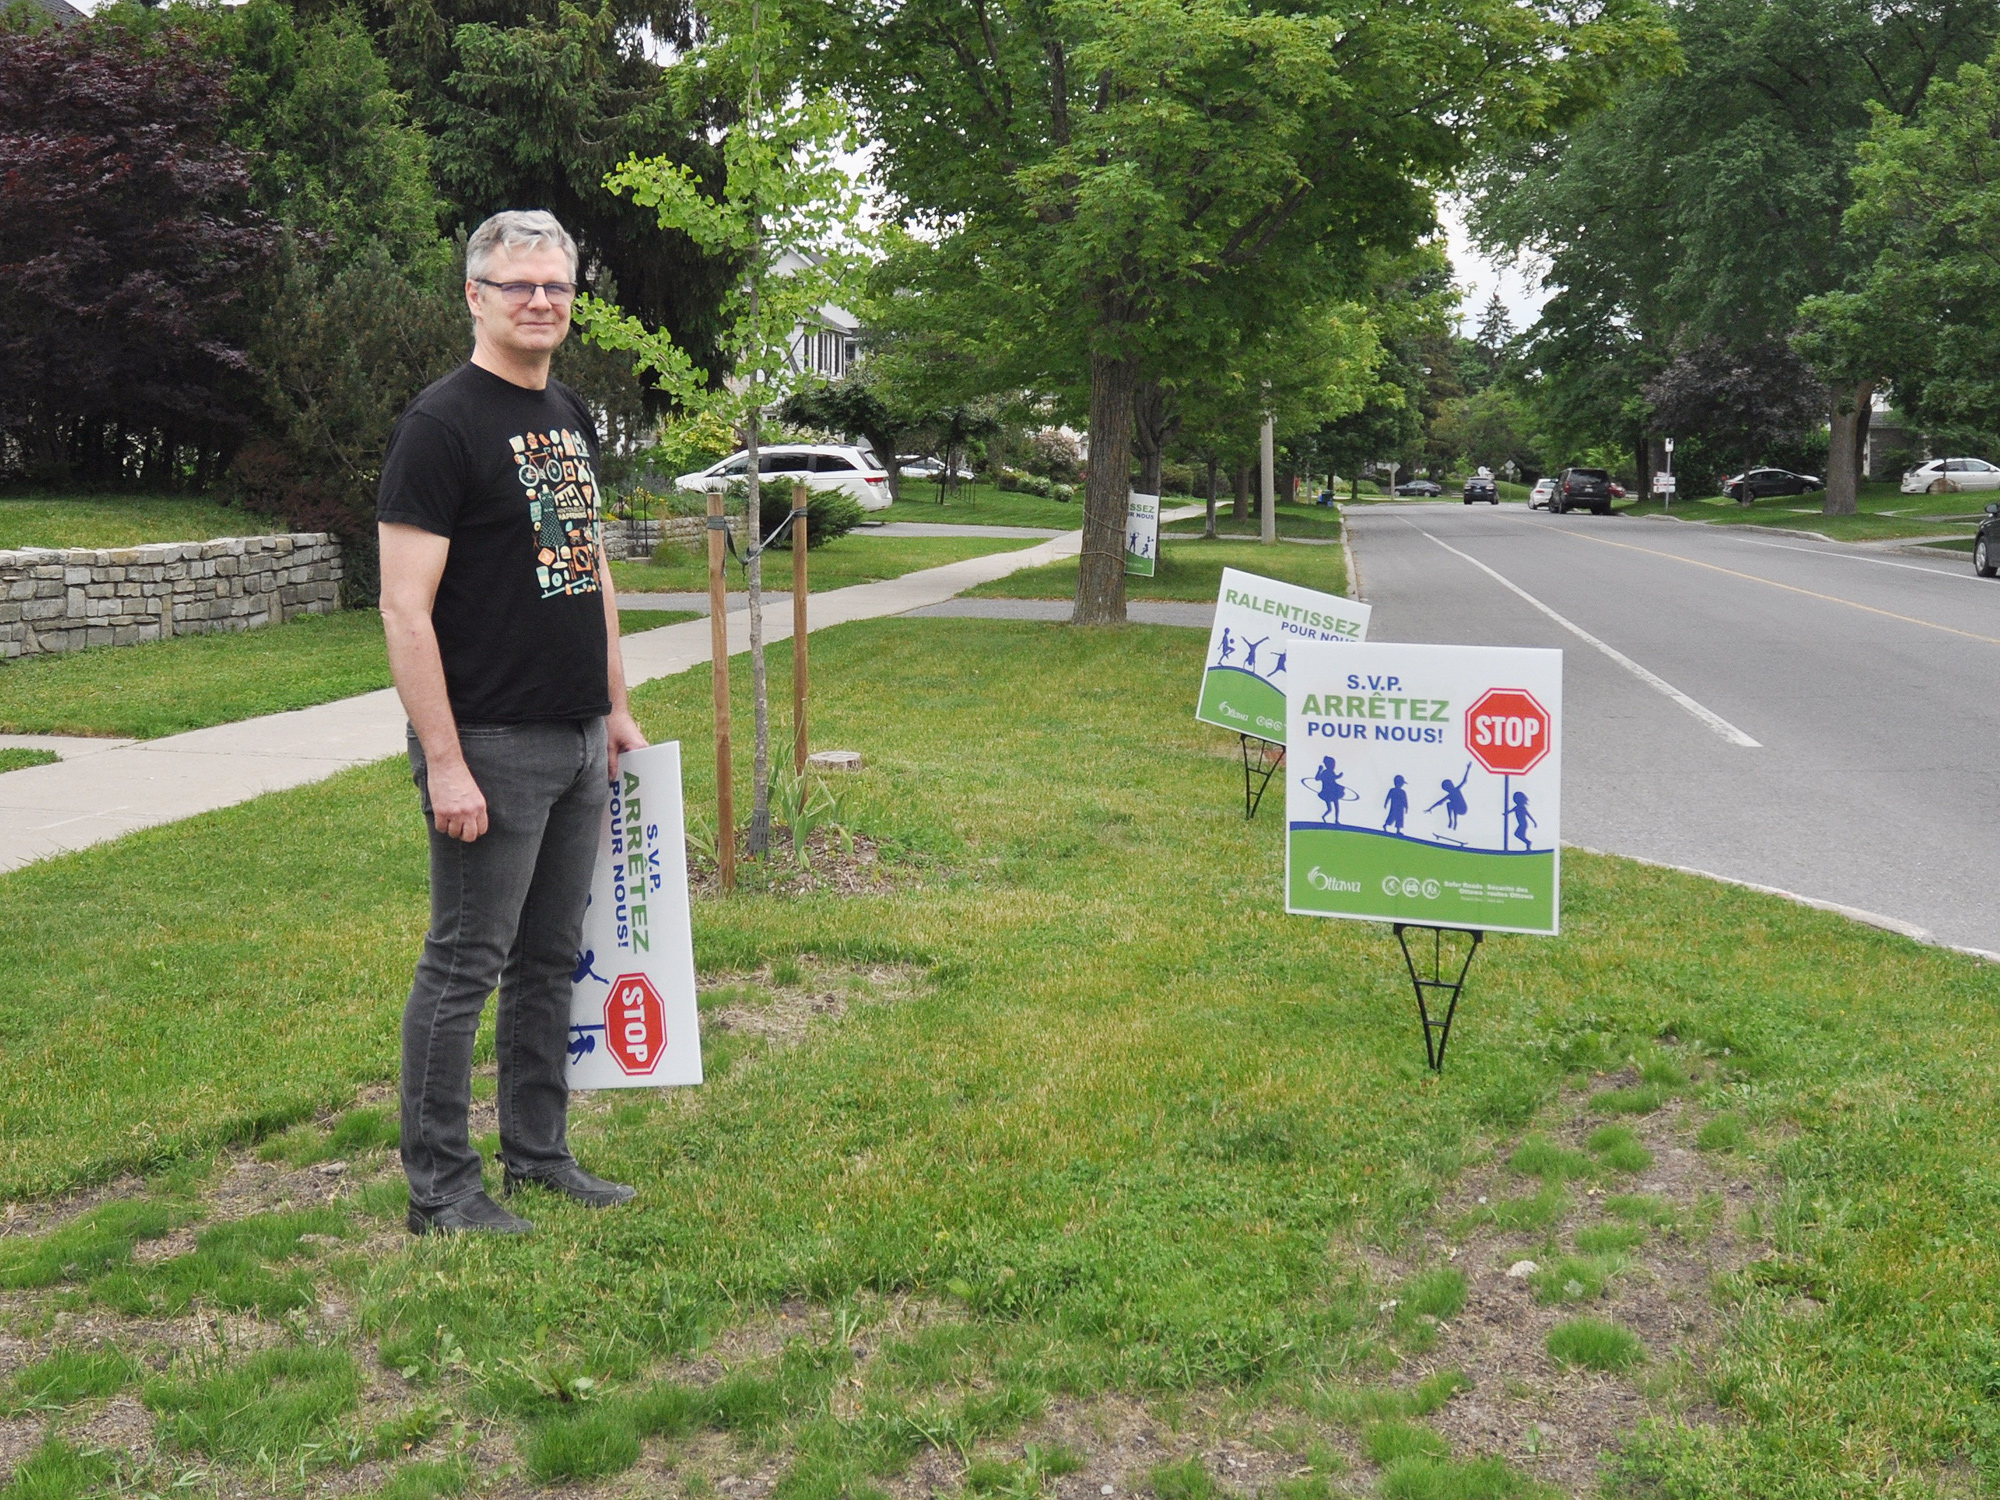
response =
{"points": [[1425, 790], [1259, 622], [632, 1017], [1142, 533]]}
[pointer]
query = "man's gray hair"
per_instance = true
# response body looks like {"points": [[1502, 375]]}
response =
{"points": [[515, 230]]}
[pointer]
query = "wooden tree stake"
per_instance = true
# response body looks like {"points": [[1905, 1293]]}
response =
{"points": [[799, 545], [718, 636]]}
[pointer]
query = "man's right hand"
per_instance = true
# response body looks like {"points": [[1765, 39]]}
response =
{"points": [[458, 807]]}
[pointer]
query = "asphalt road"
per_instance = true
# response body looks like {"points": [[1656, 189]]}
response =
{"points": [[1866, 681]]}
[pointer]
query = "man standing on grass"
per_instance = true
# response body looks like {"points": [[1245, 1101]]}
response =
{"points": [[503, 640]]}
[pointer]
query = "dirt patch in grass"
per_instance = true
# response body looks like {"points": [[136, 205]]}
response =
{"points": [[1552, 1421], [852, 866]]}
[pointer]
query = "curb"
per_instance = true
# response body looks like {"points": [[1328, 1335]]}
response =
{"points": [[1353, 563], [1896, 925]]}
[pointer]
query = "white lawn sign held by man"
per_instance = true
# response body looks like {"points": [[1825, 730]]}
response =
{"points": [[1142, 534], [633, 1021], [1259, 623]]}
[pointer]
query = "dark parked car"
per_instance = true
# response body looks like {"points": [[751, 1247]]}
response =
{"points": [[1482, 487], [1986, 546], [1754, 484], [1430, 489], [1579, 489]]}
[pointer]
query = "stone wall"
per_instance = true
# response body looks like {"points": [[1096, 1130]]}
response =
{"points": [[62, 599], [628, 539]]}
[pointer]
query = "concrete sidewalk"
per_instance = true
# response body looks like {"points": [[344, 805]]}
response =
{"points": [[54, 809]]}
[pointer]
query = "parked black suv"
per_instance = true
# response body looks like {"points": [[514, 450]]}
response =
{"points": [[1582, 487], [1482, 487]]}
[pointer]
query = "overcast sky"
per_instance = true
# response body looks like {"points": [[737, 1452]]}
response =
{"points": [[1478, 277]]}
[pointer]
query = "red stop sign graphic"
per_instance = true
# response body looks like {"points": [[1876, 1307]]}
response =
{"points": [[635, 1023], [1507, 731]]}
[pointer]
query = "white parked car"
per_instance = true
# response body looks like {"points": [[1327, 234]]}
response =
{"points": [[1944, 475], [1541, 496], [917, 466], [854, 472]]}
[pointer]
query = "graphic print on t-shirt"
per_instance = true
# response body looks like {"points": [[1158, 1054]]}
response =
{"points": [[554, 468]]}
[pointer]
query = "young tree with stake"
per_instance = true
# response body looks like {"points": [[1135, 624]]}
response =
{"points": [[791, 218]]}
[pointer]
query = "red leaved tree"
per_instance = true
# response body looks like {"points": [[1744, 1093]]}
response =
{"points": [[125, 247]]}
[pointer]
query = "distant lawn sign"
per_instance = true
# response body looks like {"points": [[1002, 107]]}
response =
{"points": [[1258, 621], [1142, 534]]}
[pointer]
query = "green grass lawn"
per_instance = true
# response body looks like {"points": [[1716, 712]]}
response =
{"points": [[1124, 1139], [194, 681], [983, 505], [1309, 521], [1883, 513], [632, 621], [121, 520], [855, 558], [191, 682], [1190, 568]]}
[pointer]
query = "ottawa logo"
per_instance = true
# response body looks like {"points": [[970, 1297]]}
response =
{"points": [[635, 1024]]}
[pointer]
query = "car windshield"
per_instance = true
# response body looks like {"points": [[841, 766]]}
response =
{"points": [[1591, 473]]}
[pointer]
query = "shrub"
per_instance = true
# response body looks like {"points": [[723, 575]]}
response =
{"points": [[829, 515], [1054, 454]]}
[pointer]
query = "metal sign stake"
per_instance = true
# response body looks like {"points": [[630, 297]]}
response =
{"points": [[1437, 1033], [1259, 766]]}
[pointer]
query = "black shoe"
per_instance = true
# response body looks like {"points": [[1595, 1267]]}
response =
{"points": [[573, 1183], [476, 1214]]}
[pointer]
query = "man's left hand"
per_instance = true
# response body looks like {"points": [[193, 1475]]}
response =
{"points": [[621, 733]]}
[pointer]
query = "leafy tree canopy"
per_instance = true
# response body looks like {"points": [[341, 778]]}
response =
{"points": [[1926, 313], [1120, 183], [529, 103], [126, 241]]}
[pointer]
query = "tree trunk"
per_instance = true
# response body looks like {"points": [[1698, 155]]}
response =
{"points": [[1861, 423], [1100, 574], [1843, 474], [1239, 504], [1150, 426], [1208, 530]]}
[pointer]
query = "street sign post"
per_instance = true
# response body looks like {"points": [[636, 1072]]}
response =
{"points": [[1426, 792], [1142, 533], [633, 1022]]}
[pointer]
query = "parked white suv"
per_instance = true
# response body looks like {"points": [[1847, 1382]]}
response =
{"points": [[854, 472], [1942, 476]]}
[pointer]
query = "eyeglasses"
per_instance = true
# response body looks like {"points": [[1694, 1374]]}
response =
{"points": [[521, 293]]}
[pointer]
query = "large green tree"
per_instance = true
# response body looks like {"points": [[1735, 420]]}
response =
{"points": [[1120, 178], [1710, 202], [1926, 313], [529, 103]]}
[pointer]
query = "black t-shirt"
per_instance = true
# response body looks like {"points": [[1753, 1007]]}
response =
{"points": [[510, 475]]}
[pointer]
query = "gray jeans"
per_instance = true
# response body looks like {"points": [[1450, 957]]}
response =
{"points": [[506, 911]]}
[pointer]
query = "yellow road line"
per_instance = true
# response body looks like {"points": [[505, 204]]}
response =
{"points": [[1790, 588]]}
